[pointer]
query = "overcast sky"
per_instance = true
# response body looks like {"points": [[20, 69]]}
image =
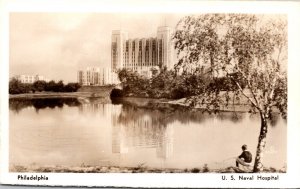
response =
{"points": [[57, 45]]}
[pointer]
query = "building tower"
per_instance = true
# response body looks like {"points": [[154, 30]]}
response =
{"points": [[165, 47], [118, 41], [142, 55]]}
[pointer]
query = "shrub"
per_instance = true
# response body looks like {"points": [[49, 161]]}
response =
{"points": [[71, 87], [205, 168], [116, 93], [195, 170], [17, 87]]}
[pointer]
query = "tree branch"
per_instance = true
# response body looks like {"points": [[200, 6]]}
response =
{"points": [[250, 86], [240, 88]]}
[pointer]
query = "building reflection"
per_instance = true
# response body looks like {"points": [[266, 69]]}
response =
{"points": [[96, 105], [118, 145], [165, 145], [134, 128]]}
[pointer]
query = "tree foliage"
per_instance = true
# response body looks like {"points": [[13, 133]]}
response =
{"points": [[17, 87], [39, 85], [248, 52], [133, 83], [71, 87], [163, 84]]}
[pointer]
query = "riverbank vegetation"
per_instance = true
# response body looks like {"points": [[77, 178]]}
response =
{"points": [[17, 87], [168, 84]]}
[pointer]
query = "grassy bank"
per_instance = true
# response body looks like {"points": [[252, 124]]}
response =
{"points": [[51, 95], [138, 169], [83, 92], [163, 103]]}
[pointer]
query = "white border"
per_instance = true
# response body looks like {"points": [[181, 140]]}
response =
{"points": [[290, 179]]}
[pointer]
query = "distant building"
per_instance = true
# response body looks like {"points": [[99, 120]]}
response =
{"points": [[142, 54], [96, 76], [31, 78]]}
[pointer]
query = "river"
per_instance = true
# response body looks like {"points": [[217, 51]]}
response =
{"points": [[97, 132]]}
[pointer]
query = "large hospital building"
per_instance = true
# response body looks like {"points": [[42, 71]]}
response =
{"points": [[142, 55]]}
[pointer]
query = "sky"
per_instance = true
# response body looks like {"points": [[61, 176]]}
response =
{"points": [[57, 45]]}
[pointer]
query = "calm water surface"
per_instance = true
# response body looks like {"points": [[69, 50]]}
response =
{"points": [[69, 132]]}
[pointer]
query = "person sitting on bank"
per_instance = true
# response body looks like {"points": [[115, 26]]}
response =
{"points": [[245, 158]]}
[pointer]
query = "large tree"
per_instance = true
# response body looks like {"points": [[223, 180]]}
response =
{"points": [[248, 52]]}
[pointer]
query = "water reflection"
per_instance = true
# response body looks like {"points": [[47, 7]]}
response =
{"points": [[16, 105], [165, 143], [130, 113], [95, 129], [133, 115], [143, 135], [152, 127], [274, 119]]}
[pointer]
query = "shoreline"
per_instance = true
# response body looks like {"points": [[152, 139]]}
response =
{"points": [[83, 92], [162, 103], [42, 95], [138, 169], [140, 102]]}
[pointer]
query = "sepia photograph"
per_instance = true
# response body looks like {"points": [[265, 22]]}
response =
{"points": [[148, 92]]}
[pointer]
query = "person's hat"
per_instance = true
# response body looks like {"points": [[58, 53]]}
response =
{"points": [[244, 146]]}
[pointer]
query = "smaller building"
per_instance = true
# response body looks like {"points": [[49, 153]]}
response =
{"points": [[97, 76], [31, 78]]}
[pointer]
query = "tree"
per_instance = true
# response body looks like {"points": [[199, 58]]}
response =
{"points": [[14, 86], [164, 84], [71, 87], [17, 87], [55, 87], [39, 85], [249, 52], [59, 86], [50, 86], [160, 85], [132, 82]]}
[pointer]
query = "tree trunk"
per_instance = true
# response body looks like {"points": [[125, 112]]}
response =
{"points": [[258, 166]]}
